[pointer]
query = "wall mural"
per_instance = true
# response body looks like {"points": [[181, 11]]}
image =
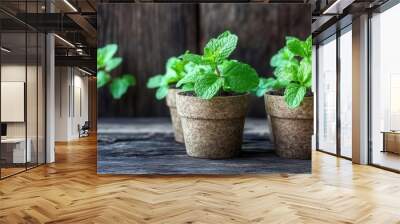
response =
{"points": [[182, 94]]}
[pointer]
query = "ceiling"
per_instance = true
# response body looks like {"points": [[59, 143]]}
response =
{"points": [[74, 22], [336, 14]]}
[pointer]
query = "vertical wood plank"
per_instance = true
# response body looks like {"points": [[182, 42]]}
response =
{"points": [[148, 34]]}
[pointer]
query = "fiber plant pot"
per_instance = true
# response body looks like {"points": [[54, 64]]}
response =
{"points": [[292, 128], [176, 120], [213, 129]]}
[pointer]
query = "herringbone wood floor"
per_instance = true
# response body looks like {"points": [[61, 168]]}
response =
{"points": [[69, 191]]}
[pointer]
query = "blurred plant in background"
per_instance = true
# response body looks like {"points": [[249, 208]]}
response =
{"points": [[175, 70], [106, 63]]}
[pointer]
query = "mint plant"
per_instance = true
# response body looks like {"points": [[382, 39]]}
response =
{"points": [[292, 72], [175, 70], [106, 63], [213, 74]]}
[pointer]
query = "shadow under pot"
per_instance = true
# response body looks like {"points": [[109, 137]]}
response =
{"points": [[292, 128], [176, 120], [213, 129]]}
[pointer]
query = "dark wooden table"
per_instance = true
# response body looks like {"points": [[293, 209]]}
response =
{"points": [[391, 141]]}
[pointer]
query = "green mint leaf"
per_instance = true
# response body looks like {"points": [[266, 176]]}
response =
{"points": [[296, 46], [194, 58], [305, 72], [179, 69], [188, 87], [294, 95], [112, 64], [282, 57], [174, 71], [287, 71], [220, 48], [154, 82], [308, 46], [189, 78], [102, 78], [171, 62], [207, 86], [280, 84], [118, 87], [224, 34], [170, 78], [239, 77], [194, 73], [265, 86], [189, 66], [129, 79], [108, 52], [100, 58], [174, 66], [162, 92], [276, 60]]}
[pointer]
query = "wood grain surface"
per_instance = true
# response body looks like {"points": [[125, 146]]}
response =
{"points": [[70, 191]]}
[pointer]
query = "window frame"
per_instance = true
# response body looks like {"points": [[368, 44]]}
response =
{"points": [[333, 33]]}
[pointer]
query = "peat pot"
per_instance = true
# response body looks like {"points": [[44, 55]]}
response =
{"points": [[292, 128], [212, 129], [176, 120]]}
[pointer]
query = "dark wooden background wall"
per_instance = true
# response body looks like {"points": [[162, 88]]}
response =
{"points": [[148, 34]]}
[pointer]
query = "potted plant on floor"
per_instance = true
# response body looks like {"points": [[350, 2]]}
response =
{"points": [[214, 99], [106, 63], [165, 85], [289, 100]]}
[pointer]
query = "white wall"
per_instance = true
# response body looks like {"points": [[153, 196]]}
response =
{"points": [[71, 102], [62, 81], [80, 110]]}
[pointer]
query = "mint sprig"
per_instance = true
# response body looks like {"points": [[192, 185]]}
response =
{"points": [[175, 70], [213, 73], [292, 72]]}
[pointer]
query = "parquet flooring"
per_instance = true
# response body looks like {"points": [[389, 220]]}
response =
{"points": [[70, 191], [10, 171]]}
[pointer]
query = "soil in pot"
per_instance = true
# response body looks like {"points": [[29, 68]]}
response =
{"points": [[213, 129], [176, 120], [292, 128]]}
